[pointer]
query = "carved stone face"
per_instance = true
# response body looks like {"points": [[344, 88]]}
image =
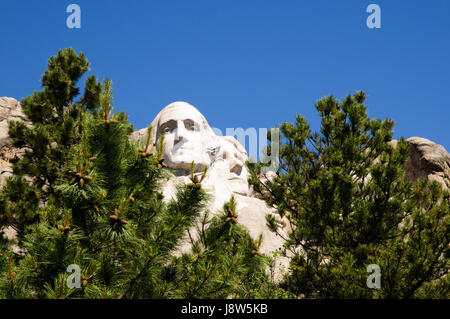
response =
{"points": [[234, 160], [187, 136]]}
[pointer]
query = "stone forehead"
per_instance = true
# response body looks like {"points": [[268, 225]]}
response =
{"points": [[183, 107], [235, 143], [180, 110]]}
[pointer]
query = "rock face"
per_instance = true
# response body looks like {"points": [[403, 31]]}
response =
{"points": [[10, 110], [188, 137], [428, 160]]}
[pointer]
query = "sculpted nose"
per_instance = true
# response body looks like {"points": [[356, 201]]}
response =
{"points": [[180, 134]]}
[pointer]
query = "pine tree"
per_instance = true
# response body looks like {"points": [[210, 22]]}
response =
{"points": [[344, 193], [105, 215], [54, 115]]}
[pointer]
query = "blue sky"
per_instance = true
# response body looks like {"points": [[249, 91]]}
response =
{"points": [[245, 63]]}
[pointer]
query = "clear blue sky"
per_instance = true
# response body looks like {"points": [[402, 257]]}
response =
{"points": [[245, 63]]}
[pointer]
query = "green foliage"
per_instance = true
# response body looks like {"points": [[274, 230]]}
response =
{"points": [[101, 209], [223, 259], [345, 196], [85, 195], [55, 116]]}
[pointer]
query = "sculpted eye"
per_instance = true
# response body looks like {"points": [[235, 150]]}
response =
{"points": [[167, 129], [190, 125], [236, 169]]}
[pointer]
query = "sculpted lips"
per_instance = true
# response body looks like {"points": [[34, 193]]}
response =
{"points": [[182, 147]]}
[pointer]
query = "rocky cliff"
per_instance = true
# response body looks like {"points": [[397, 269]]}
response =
{"points": [[10, 110], [428, 159]]}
